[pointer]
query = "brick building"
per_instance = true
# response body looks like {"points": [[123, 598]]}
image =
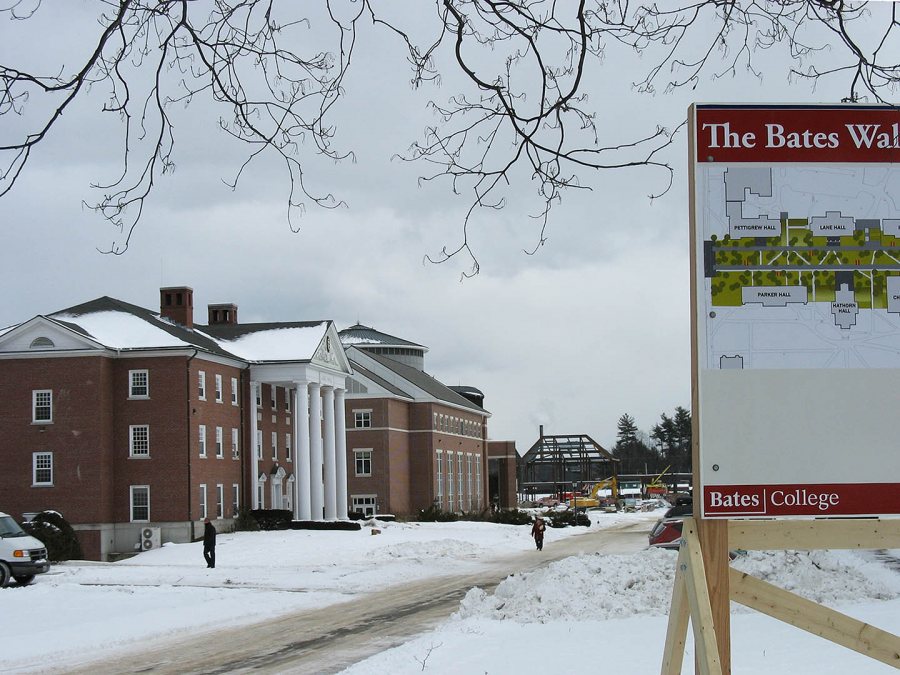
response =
{"points": [[124, 419], [412, 442]]}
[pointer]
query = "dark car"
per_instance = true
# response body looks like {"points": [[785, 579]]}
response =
{"points": [[667, 531]]}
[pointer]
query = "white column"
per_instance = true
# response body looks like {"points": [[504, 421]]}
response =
{"points": [[340, 450], [316, 491], [329, 459], [254, 426], [301, 450]]}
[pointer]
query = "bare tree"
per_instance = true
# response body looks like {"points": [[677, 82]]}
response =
{"points": [[276, 69]]}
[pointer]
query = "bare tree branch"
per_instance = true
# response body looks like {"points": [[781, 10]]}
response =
{"points": [[276, 70]]}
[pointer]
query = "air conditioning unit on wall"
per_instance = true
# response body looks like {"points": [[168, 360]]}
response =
{"points": [[150, 538]]}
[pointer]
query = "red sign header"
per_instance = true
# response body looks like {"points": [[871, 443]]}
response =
{"points": [[840, 134], [841, 499]]}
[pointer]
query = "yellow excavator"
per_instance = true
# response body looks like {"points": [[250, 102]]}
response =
{"points": [[593, 500], [656, 488]]}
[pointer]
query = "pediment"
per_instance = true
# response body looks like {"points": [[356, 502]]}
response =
{"points": [[330, 352], [41, 334]]}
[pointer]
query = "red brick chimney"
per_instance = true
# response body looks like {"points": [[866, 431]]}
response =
{"points": [[223, 314], [176, 303]]}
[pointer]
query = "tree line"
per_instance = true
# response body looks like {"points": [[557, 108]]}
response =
{"points": [[668, 444]]}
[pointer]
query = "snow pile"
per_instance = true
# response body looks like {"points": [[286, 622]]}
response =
{"points": [[427, 551], [601, 587]]}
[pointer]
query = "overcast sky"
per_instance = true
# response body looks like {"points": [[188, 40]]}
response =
{"points": [[593, 326]]}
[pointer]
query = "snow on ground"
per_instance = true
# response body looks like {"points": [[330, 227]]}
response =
{"points": [[589, 609]]}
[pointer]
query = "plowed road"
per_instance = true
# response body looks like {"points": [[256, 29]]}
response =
{"points": [[332, 638]]}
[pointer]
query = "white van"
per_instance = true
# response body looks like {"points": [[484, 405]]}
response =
{"points": [[21, 555]]}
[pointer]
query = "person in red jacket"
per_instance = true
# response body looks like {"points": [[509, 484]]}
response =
{"points": [[537, 531]]}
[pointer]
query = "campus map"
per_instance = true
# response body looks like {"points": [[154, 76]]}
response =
{"points": [[801, 266]]}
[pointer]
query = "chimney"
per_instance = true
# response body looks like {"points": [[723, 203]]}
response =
{"points": [[222, 315], [176, 303], [541, 431]]}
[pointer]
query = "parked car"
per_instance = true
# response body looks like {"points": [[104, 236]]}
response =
{"points": [[667, 531], [21, 555]]}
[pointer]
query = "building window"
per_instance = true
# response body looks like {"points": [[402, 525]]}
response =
{"points": [[469, 481], [459, 483], [235, 449], [42, 406], [201, 385], [362, 419], [138, 384], [478, 479], [42, 468], [439, 475], [203, 513], [140, 503], [201, 438], [287, 447], [41, 343], [234, 391], [220, 501], [274, 391], [260, 495], [450, 479], [220, 445], [259, 444], [363, 459], [288, 395], [275, 445], [258, 391], [363, 503], [219, 394], [139, 440], [235, 499], [434, 423]]}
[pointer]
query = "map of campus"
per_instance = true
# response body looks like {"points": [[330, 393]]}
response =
{"points": [[802, 266]]}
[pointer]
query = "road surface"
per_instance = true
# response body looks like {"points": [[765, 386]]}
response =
{"points": [[332, 638]]}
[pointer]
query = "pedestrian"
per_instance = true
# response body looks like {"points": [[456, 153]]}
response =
{"points": [[209, 543], [537, 531]]}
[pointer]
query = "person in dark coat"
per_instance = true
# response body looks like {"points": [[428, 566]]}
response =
{"points": [[537, 531], [209, 543]]}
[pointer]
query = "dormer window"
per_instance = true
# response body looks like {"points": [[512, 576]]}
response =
{"points": [[41, 343]]}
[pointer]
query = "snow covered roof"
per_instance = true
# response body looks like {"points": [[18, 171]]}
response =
{"points": [[120, 325], [363, 336]]}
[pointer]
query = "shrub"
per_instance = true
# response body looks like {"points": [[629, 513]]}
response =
{"points": [[325, 525], [568, 518], [435, 514], [245, 522], [56, 534], [511, 517], [273, 519]]}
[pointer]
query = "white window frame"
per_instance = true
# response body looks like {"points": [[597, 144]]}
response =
{"points": [[478, 479], [288, 395], [220, 444], [220, 501], [273, 392], [219, 392], [41, 462], [275, 446], [234, 391], [258, 395], [362, 456], [260, 495], [365, 503], [439, 474], [235, 498], [202, 504], [134, 384], [450, 479], [133, 448], [35, 406], [235, 444], [288, 455], [459, 476], [201, 385], [133, 491], [259, 452], [201, 439], [362, 419], [469, 481]]}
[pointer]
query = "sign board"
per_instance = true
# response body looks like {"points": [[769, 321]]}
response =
{"points": [[796, 287]]}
